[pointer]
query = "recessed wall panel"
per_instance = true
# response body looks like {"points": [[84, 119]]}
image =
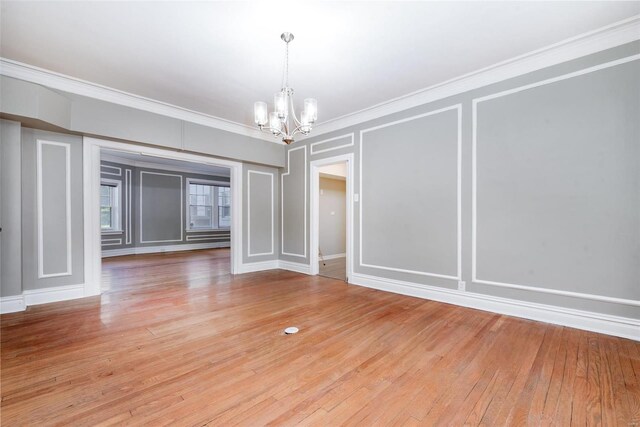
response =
{"points": [[409, 195], [294, 182], [260, 187], [53, 201], [558, 185], [160, 207]]}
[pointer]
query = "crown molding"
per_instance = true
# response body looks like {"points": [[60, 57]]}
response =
{"points": [[150, 165], [62, 82], [603, 38], [616, 34]]}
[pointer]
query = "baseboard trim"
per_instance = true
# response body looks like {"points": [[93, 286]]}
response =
{"points": [[31, 297], [252, 267], [54, 294], [586, 320], [11, 304], [166, 248], [294, 266], [334, 256], [275, 264]]}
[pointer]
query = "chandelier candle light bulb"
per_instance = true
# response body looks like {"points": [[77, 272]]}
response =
{"points": [[282, 122], [260, 113], [274, 123]]}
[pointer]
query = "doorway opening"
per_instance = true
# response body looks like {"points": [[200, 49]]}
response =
{"points": [[332, 219], [155, 208], [150, 208]]}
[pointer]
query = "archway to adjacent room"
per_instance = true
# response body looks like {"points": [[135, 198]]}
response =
{"points": [[191, 173]]}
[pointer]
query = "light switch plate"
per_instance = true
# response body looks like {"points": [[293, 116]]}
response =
{"points": [[356, 197]]}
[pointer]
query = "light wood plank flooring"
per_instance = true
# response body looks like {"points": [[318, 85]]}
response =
{"points": [[178, 341]]}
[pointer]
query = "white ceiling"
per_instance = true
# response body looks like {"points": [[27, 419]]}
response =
{"points": [[219, 57]]}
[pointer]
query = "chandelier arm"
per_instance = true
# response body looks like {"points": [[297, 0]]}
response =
{"points": [[274, 131], [293, 111], [299, 130]]}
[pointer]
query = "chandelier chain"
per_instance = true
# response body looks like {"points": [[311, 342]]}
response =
{"points": [[285, 73]]}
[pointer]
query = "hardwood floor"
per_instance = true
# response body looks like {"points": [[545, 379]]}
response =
{"points": [[334, 268], [179, 341]]}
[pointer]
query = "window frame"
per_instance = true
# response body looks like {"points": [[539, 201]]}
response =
{"points": [[116, 208], [214, 209]]}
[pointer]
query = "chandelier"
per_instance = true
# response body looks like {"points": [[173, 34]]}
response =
{"points": [[283, 120]]}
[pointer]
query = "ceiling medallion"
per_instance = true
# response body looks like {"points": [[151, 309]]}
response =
{"points": [[283, 121]]}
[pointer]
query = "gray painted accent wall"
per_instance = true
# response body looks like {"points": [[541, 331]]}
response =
{"points": [[161, 211], [558, 188], [104, 119], [10, 212], [54, 248], [416, 205], [294, 182], [332, 220], [52, 177], [261, 213], [158, 203]]}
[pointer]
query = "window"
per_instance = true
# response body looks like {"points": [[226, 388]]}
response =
{"points": [[110, 206], [224, 207], [208, 206], [200, 206]]}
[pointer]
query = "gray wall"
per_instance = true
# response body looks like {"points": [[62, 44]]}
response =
{"points": [[261, 213], [10, 211], [89, 116], [332, 216], [56, 257], [557, 189], [158, 204], [294, 219]]}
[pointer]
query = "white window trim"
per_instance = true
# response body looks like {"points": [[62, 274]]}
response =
{"points": [[118, 184], [218, 210], [187, 226]]}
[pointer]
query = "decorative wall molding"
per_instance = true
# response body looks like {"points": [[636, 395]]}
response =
{"points": [[111, 242], [196, 237], [127, 215], [103, 172], [458, 109], [586, 320], [165, 248], [58, 81], [40, 212], [181, 207], [150, 165], [271, 175], [315, 144], [282, 252], [474, 192], [616, 34]]}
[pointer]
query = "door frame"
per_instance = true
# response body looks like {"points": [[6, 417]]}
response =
{"points": [[315, 210], [91, 202]]}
